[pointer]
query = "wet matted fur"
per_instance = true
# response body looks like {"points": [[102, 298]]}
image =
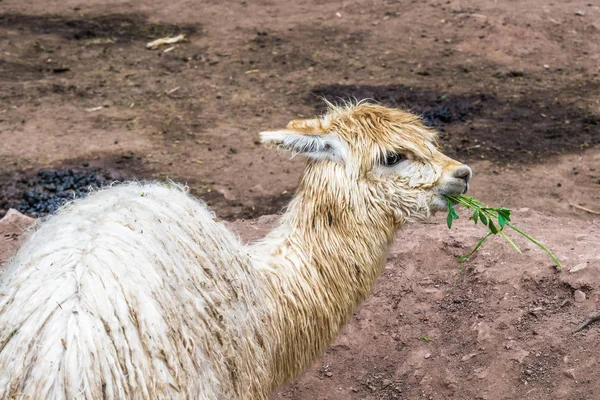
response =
{"points": [[137, 291]]}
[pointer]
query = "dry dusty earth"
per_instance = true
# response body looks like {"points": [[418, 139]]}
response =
{"points": [[513, 88]]}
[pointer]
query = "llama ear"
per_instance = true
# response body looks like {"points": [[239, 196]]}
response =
{"points": [[326, 146], [313, 125]]}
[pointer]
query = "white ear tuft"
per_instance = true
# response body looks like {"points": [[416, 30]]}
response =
{"points": [[316, 146]]}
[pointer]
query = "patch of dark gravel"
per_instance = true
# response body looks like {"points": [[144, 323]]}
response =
{"points": [[51, 189], [437, 116]]}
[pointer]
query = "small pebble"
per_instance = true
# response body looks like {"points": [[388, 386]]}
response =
{"points": [[428, 355], [578, 267], [569, 373], [579, 296]]}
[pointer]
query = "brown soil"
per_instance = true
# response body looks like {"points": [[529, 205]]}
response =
{"points": [[501, 329], [513, 88]]}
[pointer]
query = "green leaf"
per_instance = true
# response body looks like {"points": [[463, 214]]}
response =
{"points": [[426, 339], [483, 218], [475, 216], [451, 213], [505, 212], [501, 220], [492, 227], [454, 214]]}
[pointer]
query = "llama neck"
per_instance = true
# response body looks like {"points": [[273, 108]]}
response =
{"points": [[319, 264]]}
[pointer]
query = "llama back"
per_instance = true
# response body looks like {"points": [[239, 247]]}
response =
{"points": [[135, 291]]}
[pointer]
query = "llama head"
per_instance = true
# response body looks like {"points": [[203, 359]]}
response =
{"points": [[375, 160]]}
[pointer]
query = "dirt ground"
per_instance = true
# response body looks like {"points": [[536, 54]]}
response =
{"points": [[513, 88], [502, 329]]}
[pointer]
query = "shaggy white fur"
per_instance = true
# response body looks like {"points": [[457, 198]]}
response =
{"points": [[134, 292]]}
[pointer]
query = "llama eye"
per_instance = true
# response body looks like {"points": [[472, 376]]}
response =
{"points": [[393, 159]]}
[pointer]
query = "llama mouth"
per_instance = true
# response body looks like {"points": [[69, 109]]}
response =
{"points": [[454, 189], [440, 203]]}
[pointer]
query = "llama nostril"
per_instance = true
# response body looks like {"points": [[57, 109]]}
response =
{"points": [[463, 172]]}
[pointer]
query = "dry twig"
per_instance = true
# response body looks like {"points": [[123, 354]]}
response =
{"points": [[592, 318], [584, 209], [155, 44]]}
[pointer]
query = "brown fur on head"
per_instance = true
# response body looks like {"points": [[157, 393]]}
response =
{"points": [[383, 154]]}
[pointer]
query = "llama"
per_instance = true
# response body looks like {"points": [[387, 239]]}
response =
{"points": [[138, 291]]}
